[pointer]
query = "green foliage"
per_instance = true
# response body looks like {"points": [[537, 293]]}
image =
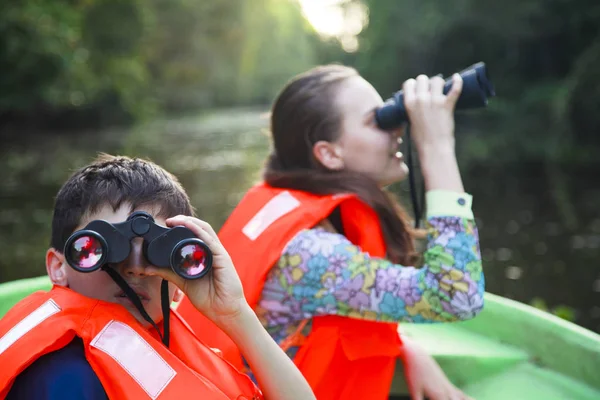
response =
{"points": [[281, 45], [542, 56], [71, 54], [135, 55], [561, 311], [139, 57], [37, 43]]}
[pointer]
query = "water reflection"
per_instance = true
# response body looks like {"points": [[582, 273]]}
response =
{"points": [[529, 249]]}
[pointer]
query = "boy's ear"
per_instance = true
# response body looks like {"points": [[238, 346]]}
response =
{"points": [[55, 267]]}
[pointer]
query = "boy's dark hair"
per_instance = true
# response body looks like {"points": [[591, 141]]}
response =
{"points": [[115, 180]]}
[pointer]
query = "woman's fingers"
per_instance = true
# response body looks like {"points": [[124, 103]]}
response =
{"points": [[423, 89], [437, 90], [410, 95], [427, 92], [454, 93]]}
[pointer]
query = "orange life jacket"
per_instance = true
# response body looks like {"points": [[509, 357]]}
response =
{"points": [[342, 357], [130, 362]]}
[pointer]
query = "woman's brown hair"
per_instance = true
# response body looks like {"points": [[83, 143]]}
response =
{"points": [[305, 113]]}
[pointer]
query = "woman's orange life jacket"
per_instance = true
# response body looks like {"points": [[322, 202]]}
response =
{"points": [[342, 357], [130, 361]]}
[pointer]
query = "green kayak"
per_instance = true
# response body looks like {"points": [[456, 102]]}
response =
{"points": [[510, 351]]}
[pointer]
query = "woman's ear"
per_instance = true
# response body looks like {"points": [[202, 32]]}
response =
{"points": [[329, 155], [55, 267]]}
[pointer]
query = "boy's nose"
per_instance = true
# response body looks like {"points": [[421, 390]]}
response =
{"points": [[136, 263]]}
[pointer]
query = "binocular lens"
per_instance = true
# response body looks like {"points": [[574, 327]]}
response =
{"points": [[190, 260], [86, 252], [102, 244]]}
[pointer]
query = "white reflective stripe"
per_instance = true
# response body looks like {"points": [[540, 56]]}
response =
{"points": [[136, 356], [38, 316], [276, 208]]}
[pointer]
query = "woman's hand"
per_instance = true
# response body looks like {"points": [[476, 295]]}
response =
{"points": [[431, 115], [425, 378], [219, 294]]}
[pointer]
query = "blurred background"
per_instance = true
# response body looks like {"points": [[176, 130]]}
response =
{"points": [[188, 84]]}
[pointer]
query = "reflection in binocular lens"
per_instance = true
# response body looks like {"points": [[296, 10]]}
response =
{"points": [[190, 259], [86, 252]]}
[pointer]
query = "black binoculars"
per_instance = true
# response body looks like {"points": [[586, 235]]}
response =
{"points": [[475, 92], [101, 242]]}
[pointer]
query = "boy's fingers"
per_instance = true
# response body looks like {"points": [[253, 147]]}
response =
{"points": [[201, 229], [206, 226]]}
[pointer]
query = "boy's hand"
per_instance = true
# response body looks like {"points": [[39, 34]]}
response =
{"points": [[220, 297], [219, 294]]}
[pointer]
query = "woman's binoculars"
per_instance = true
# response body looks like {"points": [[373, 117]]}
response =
{"points": [[475, 92], [101, 243]]}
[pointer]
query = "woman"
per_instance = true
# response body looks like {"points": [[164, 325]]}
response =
{"points": [[325, 253]]}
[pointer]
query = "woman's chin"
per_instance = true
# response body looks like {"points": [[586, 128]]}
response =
{"points": [[403, 172], [398, 174]]}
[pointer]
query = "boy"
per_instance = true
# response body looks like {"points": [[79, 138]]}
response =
{"points": [[89, 337]]}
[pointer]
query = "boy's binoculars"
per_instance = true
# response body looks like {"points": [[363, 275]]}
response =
{"points": [[475, 92], [101, 242]]}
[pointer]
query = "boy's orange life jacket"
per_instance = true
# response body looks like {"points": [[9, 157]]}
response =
{"points": [[342, 357], [130, 362]]}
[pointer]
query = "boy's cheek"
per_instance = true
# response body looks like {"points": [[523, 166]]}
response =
{"points": [[97, 284]]}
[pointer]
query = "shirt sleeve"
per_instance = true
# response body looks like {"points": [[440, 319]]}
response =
{"points": [[322, 273], [445, 203], [62, 375]]}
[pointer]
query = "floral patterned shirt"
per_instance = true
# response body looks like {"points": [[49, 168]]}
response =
{"points": [[323, 273]]}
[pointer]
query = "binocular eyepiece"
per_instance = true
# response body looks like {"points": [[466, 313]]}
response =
{"points": [[475, 92], [101, 243]]}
